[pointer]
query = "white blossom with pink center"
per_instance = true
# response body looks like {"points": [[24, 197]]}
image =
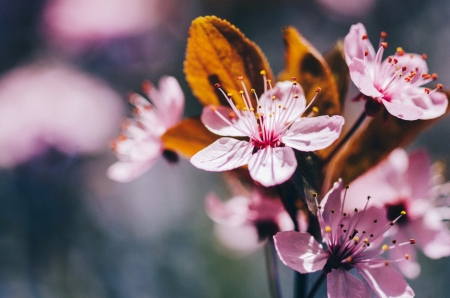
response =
{"points": [[395, 82], [403, 182], [352, 239], [273, 127], [54, 105], [139, 146]]}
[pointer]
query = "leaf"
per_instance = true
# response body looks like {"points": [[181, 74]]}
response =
{"points": [[188, 137], [373, 142], [307, 65], [217, 52], [336, 61]]}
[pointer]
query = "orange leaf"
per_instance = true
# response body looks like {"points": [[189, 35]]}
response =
{"points": [[188, 137], [307, 65], [217, 52], [336, 61]]}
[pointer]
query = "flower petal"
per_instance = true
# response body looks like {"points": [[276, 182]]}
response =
{"points": [[399, 109], [311, 134], [232, 213], [386, 282], [332, 201], [431, 235], [342, 284], [355, 45], [432, 105], [300, 251], [362, 79], [123, 171], [409, 268], [413, 62], [217, 125], [418, 174], [241, 240], [168, 100], [272, 166], [222, 155]]}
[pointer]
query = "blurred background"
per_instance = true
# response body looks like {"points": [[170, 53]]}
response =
{"points": [[66, 66]]}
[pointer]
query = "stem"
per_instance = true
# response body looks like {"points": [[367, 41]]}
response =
{"points": [[316, 286], [355, 126], [272, 270], [300, 281]]}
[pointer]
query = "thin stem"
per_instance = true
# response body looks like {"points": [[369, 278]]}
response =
{"points": [[355, 126], [316, 286], [272, 269], [300, 280]]}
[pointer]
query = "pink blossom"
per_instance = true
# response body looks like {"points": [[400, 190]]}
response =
{"points": [[43, 105], [394, 82], [274, 131], [403, 182], [351, 238], [139, 145], [246, 220]]}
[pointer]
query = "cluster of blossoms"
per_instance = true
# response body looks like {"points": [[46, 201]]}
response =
{"points": [[264, 132]]}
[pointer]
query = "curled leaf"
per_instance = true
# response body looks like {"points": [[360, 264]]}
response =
{"points": [[188, 137], [307, 65], [336, 61], [217, 52]]}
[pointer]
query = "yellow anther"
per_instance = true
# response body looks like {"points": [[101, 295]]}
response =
{"points": [[315, 109], [244, 109], [262, 72], [399, 49], [366, 240], [327, 229], [252, 109], [274, 97], [229, 94], [269, 81], [384, 247], [403, 212], [241, 92], [356, 238], [279, 106], [295, 95], [214, 108], [252, 90]]}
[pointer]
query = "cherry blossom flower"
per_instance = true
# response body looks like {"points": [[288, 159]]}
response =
{"points": [[245, 221], [403, 182], [394, 82], [46, 105], [351, 239], [139, 145], [274, 131]]}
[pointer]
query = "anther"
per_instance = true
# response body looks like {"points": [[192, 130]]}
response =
{"points": [[400, 51], [392, 223], [366, 53], [394, 241], [375, 221], [384, 44], [293, 79], [345, 214], [252, 90], [315, 110], [295, 95], [269, 81], [318, 89], [384, 247], [274, 97], [427, 91], [439, 86], [214, 108], [434, 76], [356, 209], [364, 37], [341, 225], [327, 229], [241, 92], [407, 256], [314, 195], [371, 235], [262, 72], [349, 259], [403, 68], [403, 212], [412, 241], [366, 240], [240, 78], [332, 210], [217, 85], [346, 187], [424, 56], [229, 94], [386, 263], [368, 197]]}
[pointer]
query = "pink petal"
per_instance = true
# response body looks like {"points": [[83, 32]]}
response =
{"points": [[431, 235], [403, 111], [409, 268], [362, 79], [272, 166], [355, 46], [413, 62], [123, 171], [311, 134], [240, 241], [386, 282], [218, 126], [418, 174], [342, 284], [432, 105], [300, 251], [332, 201], [146, 149], [222, 155], [232, 213], [284, 92]]}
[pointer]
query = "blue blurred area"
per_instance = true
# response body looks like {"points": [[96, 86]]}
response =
{"points": [[68, 231]]}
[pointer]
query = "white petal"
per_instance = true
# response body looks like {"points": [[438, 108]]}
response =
{"points": [[217, 125], [361, 78]]}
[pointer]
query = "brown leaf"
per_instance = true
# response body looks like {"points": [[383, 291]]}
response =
{"points": [[372, 143], [336, 61], [217, 52], [188, 137], [307, 65]]}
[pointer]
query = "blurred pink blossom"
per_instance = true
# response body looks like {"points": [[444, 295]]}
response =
{"points": [[245, 222], [54, 105], [343, 9], [139, 145], [403, 182]]}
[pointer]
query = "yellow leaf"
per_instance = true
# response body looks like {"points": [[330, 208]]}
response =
{"points": [[336, 61], [372, 143], [307, 65], [217, 52], [188, 137]]}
